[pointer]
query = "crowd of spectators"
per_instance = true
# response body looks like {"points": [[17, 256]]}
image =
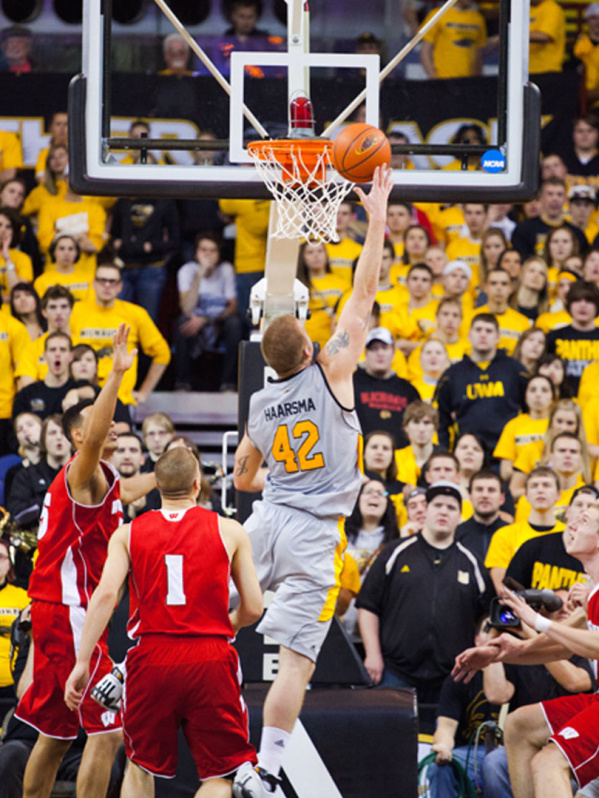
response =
{"points": [[479, 373]]}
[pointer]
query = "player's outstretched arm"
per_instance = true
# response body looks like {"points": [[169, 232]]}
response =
{"points": [[133, 488], [243, 573], [98, 422], [584, 642], [343, 350], [248, 473], [99, 612]]}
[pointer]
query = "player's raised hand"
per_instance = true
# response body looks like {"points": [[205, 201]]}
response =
{"points": [[375, 201], [75, 686], [121, 358]]}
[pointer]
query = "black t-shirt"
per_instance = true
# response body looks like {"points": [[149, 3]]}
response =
{"points": [[476, 536], [381, 403], [38, 398], [576, 168], [428, 601], [467, 704], [543, 562], [534, 683], [529, 236], [577, 348]]}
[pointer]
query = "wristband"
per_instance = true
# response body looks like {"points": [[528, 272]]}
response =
{"points": [[9, 266], [542, 624]]}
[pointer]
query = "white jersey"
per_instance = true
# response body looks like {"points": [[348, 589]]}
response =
{"points": [[310, 443]]}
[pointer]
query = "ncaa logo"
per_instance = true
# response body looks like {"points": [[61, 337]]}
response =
{"points": [[493, 161]]}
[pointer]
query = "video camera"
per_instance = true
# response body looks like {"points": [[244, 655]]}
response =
{"points": [[502, 617]]}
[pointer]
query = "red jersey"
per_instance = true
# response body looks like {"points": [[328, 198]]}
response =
{"points": [[593, 620], [179, 578], [73, 541]]}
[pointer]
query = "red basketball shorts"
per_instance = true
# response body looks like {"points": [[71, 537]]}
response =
{"points": [[574, 724], [191, 683], [56, 634]]}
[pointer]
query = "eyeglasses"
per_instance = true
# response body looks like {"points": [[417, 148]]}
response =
{"points": [[373, 492], [107, 281]]}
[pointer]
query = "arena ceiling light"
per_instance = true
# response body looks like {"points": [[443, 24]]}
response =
{"points": [[190, 12], [70, 11], [21, 11]]}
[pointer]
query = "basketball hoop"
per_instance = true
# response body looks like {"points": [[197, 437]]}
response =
{"points": [[308, 192]]}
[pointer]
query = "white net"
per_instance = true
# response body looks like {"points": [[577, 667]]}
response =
{"points": [[307, 198]]}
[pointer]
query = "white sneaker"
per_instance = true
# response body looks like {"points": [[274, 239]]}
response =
{"points": [[109, 690], [254, 782]]}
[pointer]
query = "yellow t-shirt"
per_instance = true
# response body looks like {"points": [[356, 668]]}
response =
{"points": [[38, 197], [425, 388], [14, 340], [32, 363], [95, 325], [78, 283], [467, 250], [12, 600], [59, 216], [528, 457], [553, 321], [11, 152], [549, 18], [448, 224], [519, 433], [341, 258], [588, 52], [399, 273], [523, 508], [511, 326], [590, 418], [456, 39], [325, 294], [251, 221], [587, 388], [349, 578], [23, 268], [408, 470], [507, 540]]}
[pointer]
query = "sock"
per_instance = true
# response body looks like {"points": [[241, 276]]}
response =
{"points": [[273, 745]]}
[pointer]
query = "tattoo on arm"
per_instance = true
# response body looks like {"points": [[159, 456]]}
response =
{"points": [[340, 341], [242, 466]]}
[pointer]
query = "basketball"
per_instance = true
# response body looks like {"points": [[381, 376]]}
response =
{"points": [[358, 150]]}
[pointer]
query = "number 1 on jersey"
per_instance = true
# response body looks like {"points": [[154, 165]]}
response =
{"points": [[174, 574], [283, 453]]}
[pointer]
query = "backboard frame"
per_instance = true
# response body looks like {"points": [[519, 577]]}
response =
{"points": [[518, 132]]}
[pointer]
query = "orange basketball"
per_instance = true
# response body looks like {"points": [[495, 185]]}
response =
{"points": [[358, 150]]}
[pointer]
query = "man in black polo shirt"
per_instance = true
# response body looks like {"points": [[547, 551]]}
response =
{"points": [[543, 562], [529, 237], [381, 396], [487, 497], [578, 343], [421, 599], [44, 397], [482, 392]]}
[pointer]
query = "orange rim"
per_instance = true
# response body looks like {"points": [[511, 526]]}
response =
{"points": [[286, 151]]}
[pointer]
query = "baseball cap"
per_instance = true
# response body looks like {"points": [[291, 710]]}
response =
{"points": [[414, 493], [583, 191], [458, 264], [586, 488], [381, 334], [566, 274], [443, 488], [592, 10]]}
